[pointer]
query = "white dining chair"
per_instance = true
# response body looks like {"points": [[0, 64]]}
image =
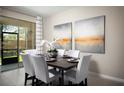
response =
{"points": [[73, 53], [28, 67], [31, 51], [41, 70], [61, 52], [79, 76]]}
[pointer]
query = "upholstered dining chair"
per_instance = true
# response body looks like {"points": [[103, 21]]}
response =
{"points": [[31, 51], [73, 53], [61, 52], [41, 70], [80, 75], [28, 67]]}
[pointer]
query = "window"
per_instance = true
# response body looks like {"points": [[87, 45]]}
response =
{"points": [[25, 29], [15, 35]]}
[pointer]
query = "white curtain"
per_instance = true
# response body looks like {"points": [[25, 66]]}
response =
{"points": [[39, 33]]}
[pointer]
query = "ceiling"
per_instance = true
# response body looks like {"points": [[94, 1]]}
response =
{"points": [[37, 10]]}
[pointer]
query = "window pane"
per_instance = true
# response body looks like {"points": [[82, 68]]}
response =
{"points": [[10, 28], [30, 39], [26, 37], [9, 41], [9, 53], [22, 38]]}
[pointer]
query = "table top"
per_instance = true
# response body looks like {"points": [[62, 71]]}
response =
{"points": [[62, 64]]}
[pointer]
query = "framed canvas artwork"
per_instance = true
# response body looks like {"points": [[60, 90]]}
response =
{"points": [[90, 35], [63, 35]]}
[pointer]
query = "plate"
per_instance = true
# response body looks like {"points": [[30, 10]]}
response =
{"points": [[72, 60], [66, 56], [51, 60]]}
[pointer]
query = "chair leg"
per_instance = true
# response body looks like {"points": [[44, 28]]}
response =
{"points": [[54, 68], [33, 80], [37, 81], [82, 83], [59, 81], [48, 84], [85, 82], [70, 83], [26, 77]]}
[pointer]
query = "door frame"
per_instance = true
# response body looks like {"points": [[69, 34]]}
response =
{"points": [[2, 47]]}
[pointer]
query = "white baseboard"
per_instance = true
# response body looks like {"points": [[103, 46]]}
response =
{"points": [[108, 77]]}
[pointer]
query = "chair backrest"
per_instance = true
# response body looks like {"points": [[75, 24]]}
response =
{"points": [[31, 51], [61, 52], [41, 68], [82, 68], [28, 66], [73, 53]]}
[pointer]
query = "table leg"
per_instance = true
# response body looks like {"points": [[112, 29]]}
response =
{"points": [[62, 80]]}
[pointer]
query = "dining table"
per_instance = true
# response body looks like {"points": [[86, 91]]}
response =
{"points": [[63, 64]]}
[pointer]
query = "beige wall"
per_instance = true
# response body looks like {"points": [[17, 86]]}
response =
{"points": [[16, 15], [112, 62]]}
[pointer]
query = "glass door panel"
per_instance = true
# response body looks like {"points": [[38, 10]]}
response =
{"points": [[9, 48], [9, 41]]}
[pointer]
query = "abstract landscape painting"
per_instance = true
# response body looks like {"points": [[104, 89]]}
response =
{"points": [[90, 35], [62, 33]]}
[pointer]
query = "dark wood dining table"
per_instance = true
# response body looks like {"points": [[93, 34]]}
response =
{"points": [[62, 64]]}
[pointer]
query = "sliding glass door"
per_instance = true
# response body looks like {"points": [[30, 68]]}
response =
{"points": [[15, 36]]}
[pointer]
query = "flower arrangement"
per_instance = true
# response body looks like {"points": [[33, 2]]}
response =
{"points": [[53, 52]]}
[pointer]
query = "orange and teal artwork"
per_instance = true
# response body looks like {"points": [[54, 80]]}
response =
{"points": [[90, 35], [63, 35]]}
